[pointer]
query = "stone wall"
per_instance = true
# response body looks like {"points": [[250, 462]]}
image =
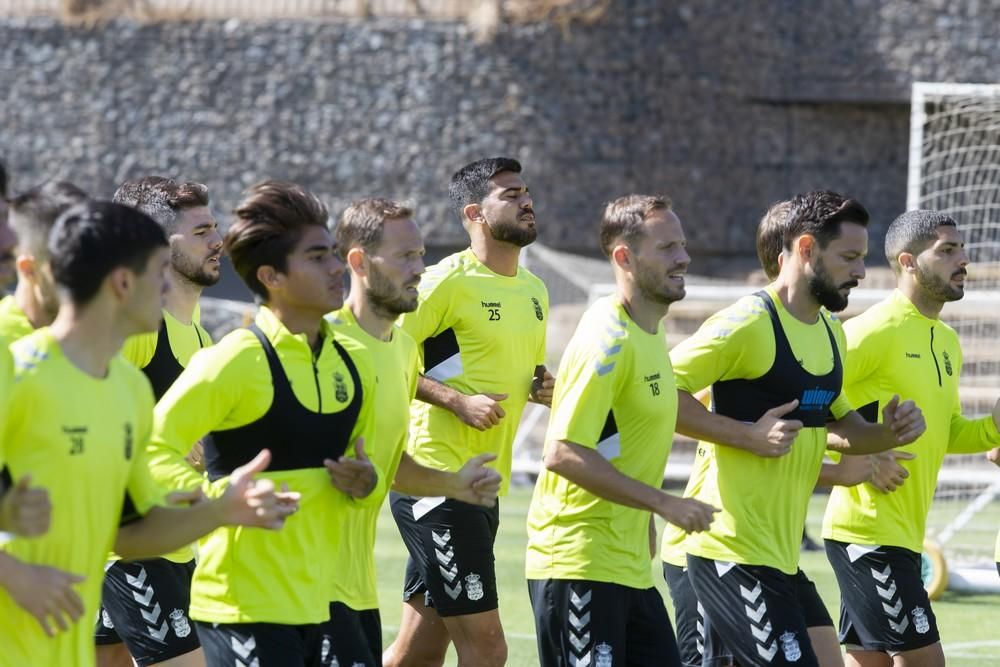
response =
{"points": [[724, 106]]}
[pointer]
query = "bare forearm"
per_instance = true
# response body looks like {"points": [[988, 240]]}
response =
{"points": [[591, 471], [857, 436], [164, 529], [695, 421], [437, 394], [415, 479]]}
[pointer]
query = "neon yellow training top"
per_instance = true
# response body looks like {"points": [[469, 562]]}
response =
{"points": [[82, 439], [893, 349], [478, 332], [397, 366], [252, 575], [762, 501], [614, 393]]}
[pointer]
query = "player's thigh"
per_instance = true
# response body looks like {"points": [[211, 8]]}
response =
{"points": [[194, 658], [478, 638], [755, 609], [422, 640], [928, 656], [113, 655]]}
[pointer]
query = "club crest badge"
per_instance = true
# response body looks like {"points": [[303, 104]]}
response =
{"points": [[106, 620], [790, 647], [602, 655], [947, 364], [180, 623], [920, 622], [474, 587], [538, 309], [340, 387]]}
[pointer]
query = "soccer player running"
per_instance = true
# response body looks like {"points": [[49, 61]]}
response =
{"points": [[590, 531], [144, 610], [774, 363], [873, 539], [697, 642], [289, 383], [383, 249], [78, 419], [480, 325], [35, 301]]}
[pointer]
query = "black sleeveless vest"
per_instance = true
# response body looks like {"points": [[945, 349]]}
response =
{"points": [[164, 368], [298, 438], [785, 381]]}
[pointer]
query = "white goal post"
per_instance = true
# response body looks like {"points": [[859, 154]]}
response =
{"points": [[954, 166]]}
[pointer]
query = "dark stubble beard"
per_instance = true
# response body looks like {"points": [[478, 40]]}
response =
{"points": [[191, 271], [653, 288], [385, 298], [826, 293], [937, 287], [511, 232]]}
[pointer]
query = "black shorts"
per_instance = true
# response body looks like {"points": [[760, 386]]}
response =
{"points": [[145, 605], [580, 622], [883, 603], [757, 609], [451, 553], [813, 608], [698, 645], [260, 644], [351, 638]]}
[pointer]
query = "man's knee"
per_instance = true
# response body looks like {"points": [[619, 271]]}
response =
{"points": [[487, 652]]}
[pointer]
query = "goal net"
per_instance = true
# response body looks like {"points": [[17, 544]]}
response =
{"points": [[954, 167]]}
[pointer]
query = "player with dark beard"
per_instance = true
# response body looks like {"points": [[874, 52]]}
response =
{"points": [[133, 592]]}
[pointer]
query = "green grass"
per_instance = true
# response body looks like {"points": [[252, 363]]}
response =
{"points": [[968, 623]]}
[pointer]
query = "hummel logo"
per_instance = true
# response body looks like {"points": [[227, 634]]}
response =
{"points": [[912, 355]]}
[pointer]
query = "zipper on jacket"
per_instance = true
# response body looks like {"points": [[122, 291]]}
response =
{"points": [[934, 356], [319, 394]]}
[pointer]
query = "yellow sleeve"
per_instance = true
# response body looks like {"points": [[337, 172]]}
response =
{"points": [[431, 316], [138, 350], [970, 436], [414, 369], [540, 357], [730, 345], [587, 385], [198, 402], [142, 488]]}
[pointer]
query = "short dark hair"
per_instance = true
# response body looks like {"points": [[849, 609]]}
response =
{"points": [[269, 223], [362, 222], [912, 232], [161, 198], [94, 238], [624, 218], [34, 213], [819, 213], [771, 237], [471, 183]]}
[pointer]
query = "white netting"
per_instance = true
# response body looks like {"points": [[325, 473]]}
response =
{"points": [[955, 167]]}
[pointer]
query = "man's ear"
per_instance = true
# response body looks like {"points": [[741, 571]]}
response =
{"points": [[473, 212], [121, 280], [907, 262], [621, 255], [269, 277], [26, 266], [356, 261]]}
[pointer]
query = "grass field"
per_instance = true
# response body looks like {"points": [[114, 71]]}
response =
{"points": [[970, 624]]}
